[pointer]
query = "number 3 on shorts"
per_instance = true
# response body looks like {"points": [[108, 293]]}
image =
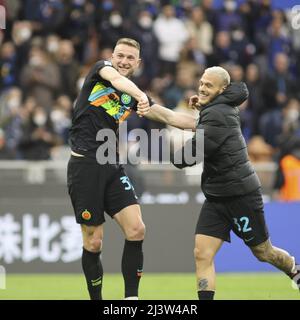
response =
{"points": [[127, 183]]}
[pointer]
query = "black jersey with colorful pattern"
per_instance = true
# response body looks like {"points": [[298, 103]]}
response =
{"points": [[99, 106]]}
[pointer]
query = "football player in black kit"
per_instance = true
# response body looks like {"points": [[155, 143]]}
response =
{"points": [[229, 183], [106, 99]]}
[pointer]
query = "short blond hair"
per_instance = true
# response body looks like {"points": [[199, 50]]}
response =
{"points": [[221, 72], [129, 42]]}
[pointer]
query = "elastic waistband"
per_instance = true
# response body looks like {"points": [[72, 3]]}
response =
{"points": [[77, 154], [82, 159], [231, 197]]}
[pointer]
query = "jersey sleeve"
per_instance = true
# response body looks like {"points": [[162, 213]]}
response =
{"points": [[99, 65]]}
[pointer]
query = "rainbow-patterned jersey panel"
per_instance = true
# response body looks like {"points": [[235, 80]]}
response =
{"points": [[117, 105]]}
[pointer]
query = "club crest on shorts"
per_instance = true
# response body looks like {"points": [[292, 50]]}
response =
{"points": [[86, 215]]}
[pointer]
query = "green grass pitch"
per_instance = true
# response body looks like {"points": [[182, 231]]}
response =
{"points": [[164, 286]]}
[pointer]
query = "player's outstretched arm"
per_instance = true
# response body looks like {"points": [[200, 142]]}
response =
{"points": [[176, 119], [123, 84]]}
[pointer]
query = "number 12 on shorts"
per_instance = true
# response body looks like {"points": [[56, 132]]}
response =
{"points": [[242, 224]]}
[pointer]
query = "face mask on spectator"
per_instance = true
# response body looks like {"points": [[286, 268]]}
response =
{"points": [[237, 35], [24, 33], [13, 103], [57, 116], [39, 119], [292, 115], [115, 20], [36, 61], [145, 22], [52, 46], [230, 5]]}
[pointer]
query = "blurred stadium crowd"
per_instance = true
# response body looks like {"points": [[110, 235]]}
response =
{"points": [[49, 45]]}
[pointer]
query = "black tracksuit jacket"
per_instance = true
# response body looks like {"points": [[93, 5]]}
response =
{"points": [[227, 170]]}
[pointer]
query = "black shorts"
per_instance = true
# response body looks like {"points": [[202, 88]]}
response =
{"points": [[96, 188], [244, 215]]}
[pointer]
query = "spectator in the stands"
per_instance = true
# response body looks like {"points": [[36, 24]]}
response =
{"points": [[191, 59], [38, 136], [288, 173], [184, 80], [229, 17], [10, 117], [79, 23], [222, 49], [112, 29], [52, 43], [255, 101], [236, 72], [278, 41], [8, 66], [262, 17], [201, 31], [242, 50], [279, 85], [143, 32], [172, 35], [276, 125], [68, 67], [210, 12], [41, 78], [45, 16], [5, 152], [61, 117]]}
